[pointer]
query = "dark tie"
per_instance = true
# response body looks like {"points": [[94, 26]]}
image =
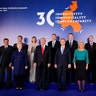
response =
{"points": [[91, 45]]}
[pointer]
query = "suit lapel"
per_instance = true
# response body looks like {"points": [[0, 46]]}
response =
{"points": [[45, 49], [40, 50]]}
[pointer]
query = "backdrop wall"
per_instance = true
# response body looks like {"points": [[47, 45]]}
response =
{"points": [[41, 18]]}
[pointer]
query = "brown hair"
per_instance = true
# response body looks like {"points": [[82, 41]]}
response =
{"points": [[35, 39]]}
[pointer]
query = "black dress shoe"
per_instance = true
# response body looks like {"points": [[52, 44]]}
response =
{"points": [[79, 90], [82, 90], [38, 88], [64, 89], [44, 88], [17, 88], [1, 87], [8, 86], [59, 89]]}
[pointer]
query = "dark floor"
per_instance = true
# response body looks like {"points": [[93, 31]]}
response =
{"points": [[30, 90]]}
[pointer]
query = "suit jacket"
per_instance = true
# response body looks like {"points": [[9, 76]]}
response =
{"points": [[53, 50], [73, 47], [62, 60], [19, 61], [38, 56], [6, 55], [91, 52]]}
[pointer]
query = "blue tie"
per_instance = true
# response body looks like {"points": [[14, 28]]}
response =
{"points": [[53, 44], [62, 50]]}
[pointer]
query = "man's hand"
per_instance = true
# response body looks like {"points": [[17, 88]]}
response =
{"points": [[55, 65], [26, 67], [49, 65], [12, 67], [69, 65]]}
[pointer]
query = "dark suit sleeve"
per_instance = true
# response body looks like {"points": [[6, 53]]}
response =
{"points": [[69, 56], [26, 58], [12, 59], [76, 45], [56, 57], [48, 43], [85, 46], [49, 60], [0, 51], [12, 50]]}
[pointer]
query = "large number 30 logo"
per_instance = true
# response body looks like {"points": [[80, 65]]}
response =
{"points": [[48, 18]]}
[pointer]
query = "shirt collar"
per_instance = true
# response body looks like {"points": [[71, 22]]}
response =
{"points": [[71, 40], [54, 41]]}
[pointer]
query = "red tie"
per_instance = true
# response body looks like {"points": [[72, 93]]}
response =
{"points": [[42, 50]]}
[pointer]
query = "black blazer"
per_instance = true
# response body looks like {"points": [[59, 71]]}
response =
{"points": [[73, 47], [53, 50], [91, 52], [62, 60], [6, 55], [38, 56]]}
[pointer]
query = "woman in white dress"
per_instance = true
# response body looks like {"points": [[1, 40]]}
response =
{"points": [[31, 50]]}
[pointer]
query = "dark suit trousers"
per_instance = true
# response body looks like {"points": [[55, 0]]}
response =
{"points": [[2, 75], [73, 74], [91, 73], [62, 78], [41, 76], [52, 74]]}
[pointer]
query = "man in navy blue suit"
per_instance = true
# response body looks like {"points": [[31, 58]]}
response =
{"points": [[62, 61]]}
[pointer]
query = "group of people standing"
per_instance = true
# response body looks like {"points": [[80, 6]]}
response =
{"points": [[60, 62]]}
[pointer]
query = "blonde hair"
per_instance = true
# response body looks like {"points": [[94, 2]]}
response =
{"points": [[80, 44], [19, 43]]}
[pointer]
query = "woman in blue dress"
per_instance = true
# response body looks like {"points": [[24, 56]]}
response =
{"points": [[81, 62], [19, 65]]}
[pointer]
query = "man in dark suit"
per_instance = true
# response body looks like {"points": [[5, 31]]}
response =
{"points": [[72, 44], [19, 39], [42, 60], [91, 47], [5, 54], [62, 61], [54, 44]]}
